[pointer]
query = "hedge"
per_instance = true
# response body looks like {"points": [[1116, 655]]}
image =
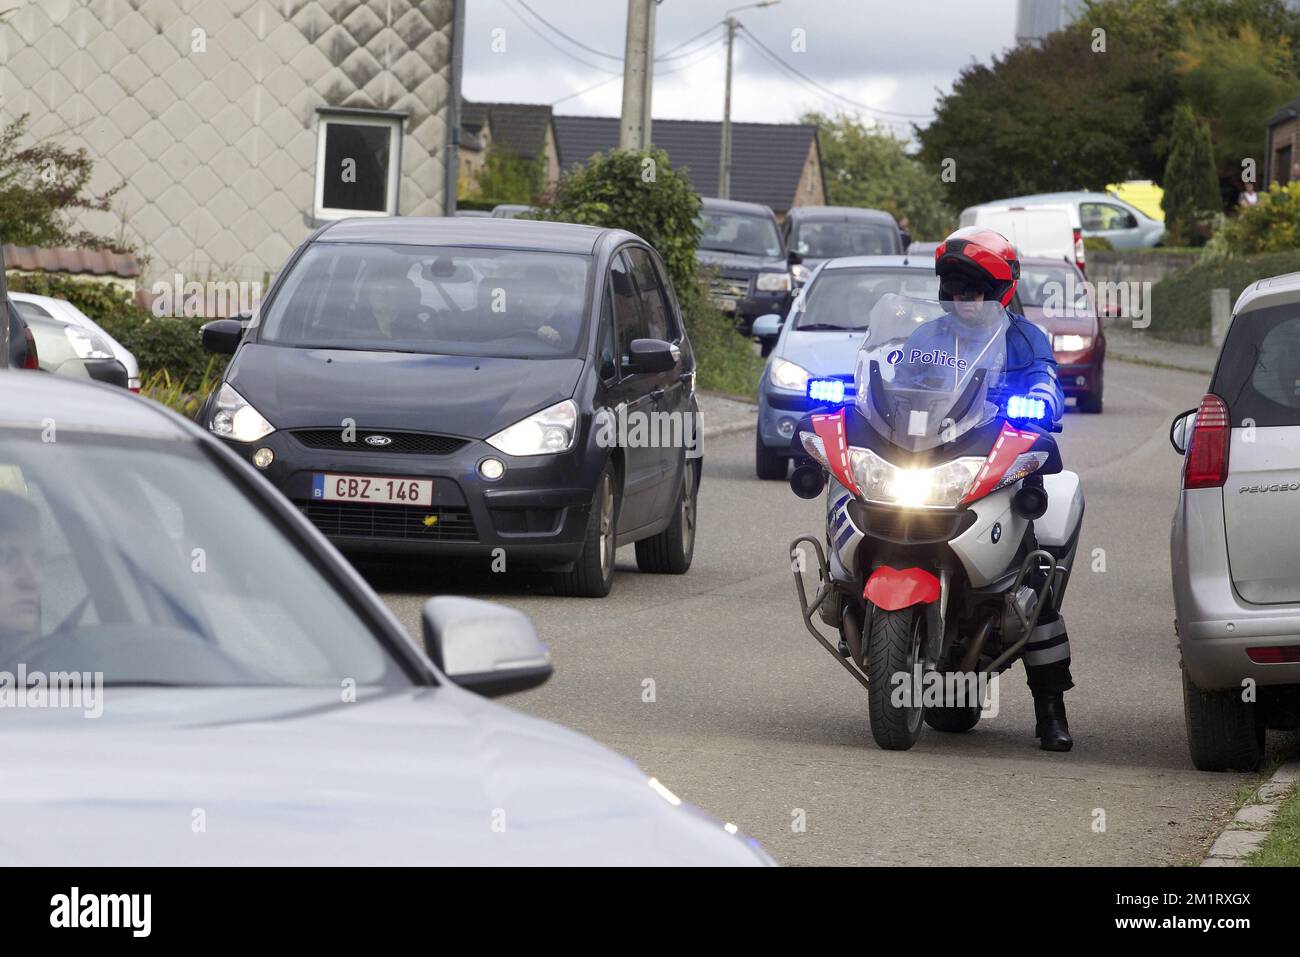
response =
{"points": [[1180, 304]]}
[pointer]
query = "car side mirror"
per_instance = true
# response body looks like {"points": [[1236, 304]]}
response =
{"points": [[222, 336], [653, 355], [484, 647], [793, 257], [1180, 429], [766, 327]]}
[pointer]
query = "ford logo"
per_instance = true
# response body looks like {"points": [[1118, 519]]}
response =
{"points": [[378, 440]]}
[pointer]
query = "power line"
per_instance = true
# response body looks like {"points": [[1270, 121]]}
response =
{"points": [[708, 54], [556, 46], [666, 54], [577, 43], [749, 35]]}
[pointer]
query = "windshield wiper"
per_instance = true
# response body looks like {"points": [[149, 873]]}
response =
{"points": [[826, 327]]}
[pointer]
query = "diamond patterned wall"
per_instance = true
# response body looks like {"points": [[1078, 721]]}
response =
{"points": [[217, 146]]}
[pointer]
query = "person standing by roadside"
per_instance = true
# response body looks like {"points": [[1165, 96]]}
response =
{"points": [[1248, 197]]}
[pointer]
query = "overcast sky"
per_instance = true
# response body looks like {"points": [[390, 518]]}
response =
{"points": [[890, 56]]}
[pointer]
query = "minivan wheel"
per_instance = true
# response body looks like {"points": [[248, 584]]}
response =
{"points": [[1224, 733], [670, 552], [767, 464], [592, 574], [1090, 403]]}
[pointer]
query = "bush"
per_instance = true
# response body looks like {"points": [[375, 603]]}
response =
{"points": [[1272, 225], [167, 344], [725, 362], [636, 190], [1180, 304], [1191, 196]]}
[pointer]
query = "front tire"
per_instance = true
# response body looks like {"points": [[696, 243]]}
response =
{"points": [[670, 552], [592, 575], [1224, 733], [895, 648], [769, 466], [1090, 403]]}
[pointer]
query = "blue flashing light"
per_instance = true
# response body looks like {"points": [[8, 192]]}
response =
{"points": [[826, 390], [1024, 407]]}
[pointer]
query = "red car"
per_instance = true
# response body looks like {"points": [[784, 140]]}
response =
{"points": [[1055, 298]]}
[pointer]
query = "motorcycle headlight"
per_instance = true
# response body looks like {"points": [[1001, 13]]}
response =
{"points": [[773, 282], [543, 433], [233, 417], [883, 483], [87, 345], [787, 375]]}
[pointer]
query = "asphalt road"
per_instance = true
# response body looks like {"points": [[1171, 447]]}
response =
{"points": [[753, 721]]}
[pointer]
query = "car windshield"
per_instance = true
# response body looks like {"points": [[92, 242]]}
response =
{"points": [[143, 561], [843, 298], [445, 300], [1057, 290], [925, 370], [739, 233], [831, 239]]}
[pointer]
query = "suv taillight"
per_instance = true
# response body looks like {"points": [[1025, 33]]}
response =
{"points": [[1079, 251], [1207, 452]]}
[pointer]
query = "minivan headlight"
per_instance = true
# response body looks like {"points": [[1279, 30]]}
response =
{"points": [[787, 375], [233, 417], [543, 433]]}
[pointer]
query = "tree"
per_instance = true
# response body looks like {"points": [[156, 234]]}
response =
{"points": [[1062, 116], [1191, 187], [41, 186], [866, 166], [636, 190], [506, 177]]}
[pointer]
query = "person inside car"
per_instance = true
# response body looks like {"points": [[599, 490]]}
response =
{"points": [[20, 573]]}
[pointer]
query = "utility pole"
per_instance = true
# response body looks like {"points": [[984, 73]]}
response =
{"points": [[638, 75], [724, 162], [724, 155]]}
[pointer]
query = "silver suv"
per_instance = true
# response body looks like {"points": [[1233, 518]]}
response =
{"points": [[1236, 536]]}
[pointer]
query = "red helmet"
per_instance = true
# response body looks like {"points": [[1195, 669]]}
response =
{"points": [[980, 257]]}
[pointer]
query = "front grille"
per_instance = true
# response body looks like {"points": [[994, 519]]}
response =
{"points": [[910, 527], [396, 522], [411, 442]]}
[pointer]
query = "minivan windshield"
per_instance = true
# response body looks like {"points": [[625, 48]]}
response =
{"points": [[829, 240], [446, 300], [844, 298]]}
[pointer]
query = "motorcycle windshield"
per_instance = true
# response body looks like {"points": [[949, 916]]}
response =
{"points": [[925, 370]]}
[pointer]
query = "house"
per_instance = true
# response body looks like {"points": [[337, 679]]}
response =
{"points": [[95, 265], [778, 164], [238, 127], [523, 128], [1282, 146]]}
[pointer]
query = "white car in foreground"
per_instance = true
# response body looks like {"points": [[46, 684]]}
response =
{"points": [[65, 311], [216, 685]]}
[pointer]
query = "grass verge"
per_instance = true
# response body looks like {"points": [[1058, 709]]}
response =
{"points": [[1282, 846]]}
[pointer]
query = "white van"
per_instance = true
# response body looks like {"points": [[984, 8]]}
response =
{"points": [[1049, 231]]}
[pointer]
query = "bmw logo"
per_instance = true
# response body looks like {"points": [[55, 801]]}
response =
{"points": [[996, 534], [895, 357], [378, 440]]}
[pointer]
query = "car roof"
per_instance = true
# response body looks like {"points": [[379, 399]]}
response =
{"points": [[840, 213], [1046, 261], [736, 206], [34, 398], [1272, 291], [880, 262], [1064, 197], [465, 231]]}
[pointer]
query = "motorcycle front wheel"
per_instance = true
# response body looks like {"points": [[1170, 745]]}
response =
{"points": [[894, 705]]}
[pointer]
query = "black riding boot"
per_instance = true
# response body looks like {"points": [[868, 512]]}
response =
{"points": [[1052, 730]]}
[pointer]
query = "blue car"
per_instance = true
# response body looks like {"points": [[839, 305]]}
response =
{"points": [[817, 344]]}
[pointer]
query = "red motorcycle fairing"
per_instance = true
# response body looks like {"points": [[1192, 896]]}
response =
{"points": [[1010, 445], [893, 590], [830, 429]]}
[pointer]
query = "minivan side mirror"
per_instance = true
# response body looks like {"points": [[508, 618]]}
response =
{"points": [[766, 327], [222, 336], [484, 647], [1181, 429], [653, 355]]}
